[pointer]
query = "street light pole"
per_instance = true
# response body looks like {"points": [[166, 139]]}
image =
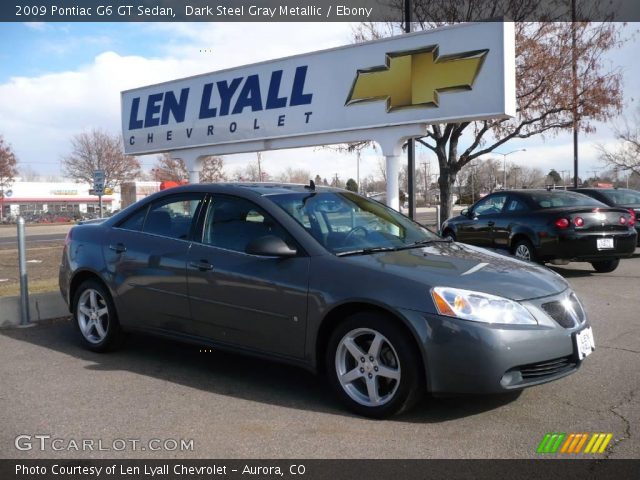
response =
{"points": [[504, 164], [411, 144]]}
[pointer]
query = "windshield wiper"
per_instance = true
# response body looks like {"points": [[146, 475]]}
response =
{"points": [[367, 251], [428, 242]]}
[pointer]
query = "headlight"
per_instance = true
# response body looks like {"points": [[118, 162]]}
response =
{"points": [[480, 307]]}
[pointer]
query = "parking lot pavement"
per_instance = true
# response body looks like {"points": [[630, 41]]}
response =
{"points": [[232, 406]]}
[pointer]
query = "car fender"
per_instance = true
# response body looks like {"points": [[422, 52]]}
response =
{"points": [[523, 230]]}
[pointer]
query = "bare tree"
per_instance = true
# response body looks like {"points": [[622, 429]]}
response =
{"points": [[251, 173], [99, 150], [625, 156], [8, 170], [175, 170], [544, 82], [297, 175]]}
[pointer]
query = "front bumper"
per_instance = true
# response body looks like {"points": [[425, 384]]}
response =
{"points": [[582, 246], [464, 357]]}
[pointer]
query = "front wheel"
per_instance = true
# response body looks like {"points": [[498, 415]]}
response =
{"points": [[95, 317], [374, 366], [606, 266]]}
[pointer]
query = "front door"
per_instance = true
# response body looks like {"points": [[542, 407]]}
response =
{"points": [[241, 299]]}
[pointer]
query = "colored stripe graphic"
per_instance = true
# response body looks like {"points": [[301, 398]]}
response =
{"points": [[572, 443]]}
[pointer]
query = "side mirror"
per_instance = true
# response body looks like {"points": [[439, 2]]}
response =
{"points": [[465, 212], [270, 246]]}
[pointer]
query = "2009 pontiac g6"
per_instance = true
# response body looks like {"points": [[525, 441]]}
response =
{"points": [[328, 280]]}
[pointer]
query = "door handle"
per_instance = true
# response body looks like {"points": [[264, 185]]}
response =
{"points": [[202, 265], [491, 224], [118, 248]]}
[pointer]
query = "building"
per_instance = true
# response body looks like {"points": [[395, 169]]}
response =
{"points": [[32, 199]]}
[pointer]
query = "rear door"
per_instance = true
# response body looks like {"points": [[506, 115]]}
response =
{"points": [[514, 213], [147, 255], [241, 299], [478, 230]]}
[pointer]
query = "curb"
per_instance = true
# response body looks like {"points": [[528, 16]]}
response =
{"points": [[42, 306]]}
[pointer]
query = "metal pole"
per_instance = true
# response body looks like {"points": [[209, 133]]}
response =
{"points": [[358, 174], [504, 166], [411, 144], [24, 283], [574, 75], [99, 206]]}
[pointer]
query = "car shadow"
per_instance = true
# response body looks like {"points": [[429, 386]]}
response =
{"points": [[235, 375]]}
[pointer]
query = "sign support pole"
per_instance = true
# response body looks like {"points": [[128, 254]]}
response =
{"points": [[411, 144]]}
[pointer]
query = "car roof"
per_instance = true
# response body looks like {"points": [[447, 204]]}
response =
{"points": [[260, 188]]}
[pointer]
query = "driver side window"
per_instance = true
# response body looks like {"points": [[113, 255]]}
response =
{"points": [[233, 222], [490, 205]]}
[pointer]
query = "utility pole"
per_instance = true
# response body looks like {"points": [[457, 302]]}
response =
{"points": [[427, 177], [358, 173], [259, 155], [574, 81], [411, 145], [562, 172]]}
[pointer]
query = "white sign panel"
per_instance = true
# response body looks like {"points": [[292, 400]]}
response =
{"points": [[463, 72]]}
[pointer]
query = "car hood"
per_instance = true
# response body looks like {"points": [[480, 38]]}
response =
{"points": [[464, 266]]}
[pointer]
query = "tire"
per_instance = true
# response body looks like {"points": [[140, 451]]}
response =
{"points": [[606, 266], [449, 234], [523, 250], [402, 382], [95, 317]]}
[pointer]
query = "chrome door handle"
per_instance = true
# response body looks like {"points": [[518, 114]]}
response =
{"points": [[202, 265], [118, 248]]}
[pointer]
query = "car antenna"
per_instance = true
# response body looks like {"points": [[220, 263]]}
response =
{"points": [[311, 186]]}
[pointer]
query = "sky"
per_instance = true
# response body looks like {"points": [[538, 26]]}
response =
{"points": [[59, 79]]}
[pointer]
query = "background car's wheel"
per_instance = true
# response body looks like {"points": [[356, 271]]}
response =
{"points": [[95, 317], [523, 250], [449, 234], [374, 366], [606, 266]]}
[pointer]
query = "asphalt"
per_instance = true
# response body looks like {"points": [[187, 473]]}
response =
{"points": [[237, 407]]}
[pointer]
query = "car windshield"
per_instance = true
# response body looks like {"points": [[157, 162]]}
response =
{"points": [[346, 223], [622, 197], [564, 199]]}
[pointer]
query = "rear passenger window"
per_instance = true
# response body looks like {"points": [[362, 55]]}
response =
{"points": [[172, 217], [516, 205]]}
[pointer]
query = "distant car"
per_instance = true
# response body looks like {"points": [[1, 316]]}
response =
{"points": [[327, 280], [617, 197], [554, 226]]}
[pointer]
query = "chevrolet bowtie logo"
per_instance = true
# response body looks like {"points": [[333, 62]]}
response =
{"points": [[411, 79]]}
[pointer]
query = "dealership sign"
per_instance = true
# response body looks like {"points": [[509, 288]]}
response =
{"points": [[457, 73]]}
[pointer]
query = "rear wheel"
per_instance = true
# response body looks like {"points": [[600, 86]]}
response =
{"points": [[374, 366], [95, 317], [606, 266], [523, 250], [448, 234]]}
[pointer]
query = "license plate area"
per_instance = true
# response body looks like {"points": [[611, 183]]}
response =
{"points": [[605, 243], [584, 342]]}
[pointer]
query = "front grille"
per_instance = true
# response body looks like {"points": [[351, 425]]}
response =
{"points": [[537, 371], [568, 313]]}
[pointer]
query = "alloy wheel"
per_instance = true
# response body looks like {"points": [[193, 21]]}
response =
{"points": [[93, 316], [368, 367], [523, 253]]}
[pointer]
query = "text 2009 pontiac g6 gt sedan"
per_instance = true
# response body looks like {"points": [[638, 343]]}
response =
{"points": [[328, 280]]}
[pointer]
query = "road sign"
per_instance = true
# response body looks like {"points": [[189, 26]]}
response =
{"points": [[98, 181]]}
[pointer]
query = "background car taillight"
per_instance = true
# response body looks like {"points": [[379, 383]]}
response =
{"points": [[623, 220], [633, 219], [562, 223], [578, 222]]}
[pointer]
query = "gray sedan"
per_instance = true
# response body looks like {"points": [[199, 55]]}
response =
{"points": [[330, 281]]}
